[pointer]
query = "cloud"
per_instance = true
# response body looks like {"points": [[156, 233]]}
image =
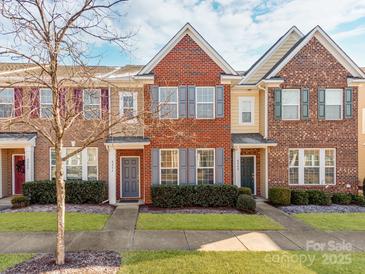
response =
{"points": [[239, 30]]}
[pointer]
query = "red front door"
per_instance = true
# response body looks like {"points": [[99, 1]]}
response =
{"points": [[19, 173]]}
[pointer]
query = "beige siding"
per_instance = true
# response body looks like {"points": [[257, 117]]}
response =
{"points": [[274, 58], [361, 134], [236, 127]]}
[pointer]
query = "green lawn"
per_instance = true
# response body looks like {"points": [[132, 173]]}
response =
{"points": [[151, 221], [9, 260], [334, 221], [46, 221], [241, 262]]}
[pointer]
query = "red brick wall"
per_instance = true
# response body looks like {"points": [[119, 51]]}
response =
{"points": [[255, 152], [188, 64], [314, 67]]}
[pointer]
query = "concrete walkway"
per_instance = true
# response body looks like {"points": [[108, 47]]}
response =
{"points": [[5, 203], [119, 234]]}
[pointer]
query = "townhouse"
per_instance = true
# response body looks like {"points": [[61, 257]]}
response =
{"points": [[295, 118]]}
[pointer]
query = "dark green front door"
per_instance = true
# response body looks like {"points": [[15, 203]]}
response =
{"points": [[248, 172]]}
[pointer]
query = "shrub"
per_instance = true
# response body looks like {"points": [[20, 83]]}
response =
{"points": [[279, 196], [244, 190], [358, 200], [77, 192], [19, 202], [172, 196], [246, 203], [318, 197], [341, 198], [299, 197]]}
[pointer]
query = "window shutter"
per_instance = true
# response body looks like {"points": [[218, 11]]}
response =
{"points": [[321, 104], [219, 102], [348, 103], [35, 104], [154, 101], [277, 100], [104, 102], [18, 101], [191, 101], [78, 100], [155, 166], [304, 100], [183, 101], [192, 166], [219, 166], [183, 168]]}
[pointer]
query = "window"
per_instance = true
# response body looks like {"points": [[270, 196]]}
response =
{"points": [[6, 102], [168, 102], [294, 166], [246, 110], [82, 166], [205, 166], [92, 104], [291, 104], [45, 102], [128, 104], [334, 104], [312, 166], [205, 102], [169, 163]]}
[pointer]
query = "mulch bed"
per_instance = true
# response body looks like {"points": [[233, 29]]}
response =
{"points": [[84, 208], [293, 209], [75, 262], [190, 210]]}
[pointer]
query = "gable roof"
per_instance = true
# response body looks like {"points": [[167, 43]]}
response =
{"points": [[328, 43], [289, 38], [189, 30]]}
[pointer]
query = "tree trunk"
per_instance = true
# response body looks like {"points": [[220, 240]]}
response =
{"points": [[60, 186]]}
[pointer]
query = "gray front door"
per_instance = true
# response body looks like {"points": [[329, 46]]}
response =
{"points": [[248, 172], [130, 177]]}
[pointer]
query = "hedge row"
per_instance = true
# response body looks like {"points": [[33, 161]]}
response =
{"points": [[77, 192]]}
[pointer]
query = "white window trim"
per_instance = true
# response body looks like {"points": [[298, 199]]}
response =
{"points": [[298, 104], [322, 167], [43, 104], [196, 103], [12, 103], [178, 163], [83, 103], [168, 103], [363, 121], [341, 110], [197, 164], [83, 163], [135, 104], [250, 99]]}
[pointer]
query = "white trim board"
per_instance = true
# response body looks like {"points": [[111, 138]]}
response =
{"points": [[208, 49]]}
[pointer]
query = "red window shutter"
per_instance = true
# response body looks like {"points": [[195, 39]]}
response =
{"points": [[78, 100], [35, 105], [18, 101], [105, 102]]}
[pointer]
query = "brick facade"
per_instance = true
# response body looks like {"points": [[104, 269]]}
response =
{"points": [[314, 67]]}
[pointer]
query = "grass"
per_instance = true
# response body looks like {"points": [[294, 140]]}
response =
{"points": [[151, 221], [9, 260], [280, 262], [334, 221], [46, 221]]}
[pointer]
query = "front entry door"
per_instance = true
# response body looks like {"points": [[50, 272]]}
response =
{"points": [[130, 177], [248, 172], [19, 173]]}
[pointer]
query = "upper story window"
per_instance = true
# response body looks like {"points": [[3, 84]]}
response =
{"points": [[205, 166], [6, 102], [290, 104], [334, 104], [246, 110], [128, 104], [45, 96], [169, 166], [92, 104], [205, 97], [168, 100]]}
